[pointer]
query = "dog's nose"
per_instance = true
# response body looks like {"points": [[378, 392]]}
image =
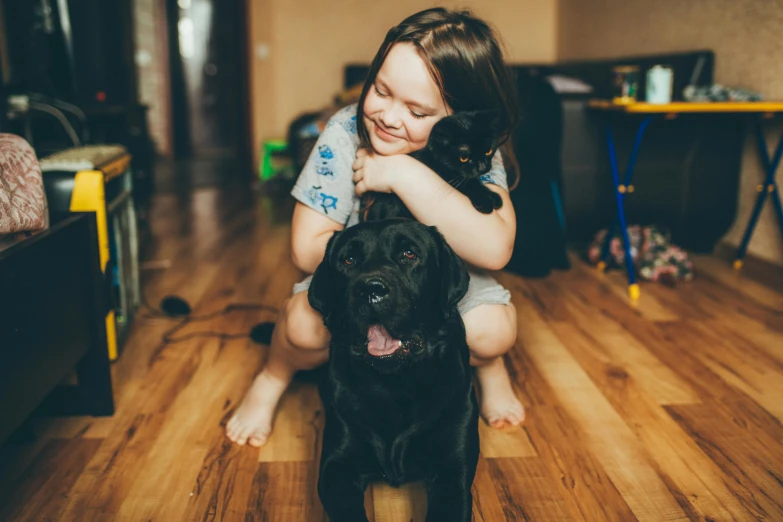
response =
{"points": [[373, 290]]}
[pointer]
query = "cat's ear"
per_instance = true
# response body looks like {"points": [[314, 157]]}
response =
{"points": [[439, 136], [494, 119]]}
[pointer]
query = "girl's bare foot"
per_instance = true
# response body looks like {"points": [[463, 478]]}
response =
{"points": [[252, 422], [499, 404]]}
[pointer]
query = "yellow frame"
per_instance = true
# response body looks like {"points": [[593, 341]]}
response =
{"points": [[89, 195]]}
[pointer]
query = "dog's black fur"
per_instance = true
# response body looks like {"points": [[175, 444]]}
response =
{"points": [[411, 415]]}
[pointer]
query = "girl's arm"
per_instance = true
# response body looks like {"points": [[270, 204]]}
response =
{"points": [[310, 231], [483, 240]]}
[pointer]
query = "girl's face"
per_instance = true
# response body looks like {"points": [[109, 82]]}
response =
{"points": [[403, 104]]}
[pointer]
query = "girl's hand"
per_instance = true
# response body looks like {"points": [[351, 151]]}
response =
{"points": [[376, 173]]}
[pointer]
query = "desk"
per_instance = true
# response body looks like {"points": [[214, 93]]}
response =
{"points": [[761, 110]]}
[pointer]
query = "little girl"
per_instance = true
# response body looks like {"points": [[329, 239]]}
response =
{"points": [[434, 63]]}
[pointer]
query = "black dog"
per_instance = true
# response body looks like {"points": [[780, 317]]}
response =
{"points": [[398, 390]]}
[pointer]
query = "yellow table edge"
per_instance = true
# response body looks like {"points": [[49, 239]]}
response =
{"points": [[89, 195], [683, 107]]}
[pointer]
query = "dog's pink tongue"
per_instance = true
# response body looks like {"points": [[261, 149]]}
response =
{"points": [[380, 343]]}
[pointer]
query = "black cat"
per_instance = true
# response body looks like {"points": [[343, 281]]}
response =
{"points": [[460, 150]]}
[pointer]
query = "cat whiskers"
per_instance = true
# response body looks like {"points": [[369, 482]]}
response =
{"points": [[456, 183]]}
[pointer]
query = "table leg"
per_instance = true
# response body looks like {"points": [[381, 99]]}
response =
{"points": [[621, 188], [769, 187]]}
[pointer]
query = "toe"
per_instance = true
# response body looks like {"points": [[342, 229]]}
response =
{"points": [[233, 434], [497, 423], [258, 439]]}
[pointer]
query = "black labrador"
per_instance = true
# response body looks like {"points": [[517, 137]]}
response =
{"points": [[398, 389]]}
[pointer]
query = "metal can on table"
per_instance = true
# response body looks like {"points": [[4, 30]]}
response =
{"points": [[626, 83]]}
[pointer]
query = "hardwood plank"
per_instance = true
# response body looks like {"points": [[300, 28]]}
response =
{"points": [[623, 458], [765, 272], [103, 488], [580, 474], [722, 273], [281, 491], [690, 476], [408, 502], [505, 442], [747, 464], [624, 352], [42, 490], [743, 367], [675, 344], [554, 435], [527, 491], [176, 458], [208, 390], [648, 306], [672, 343], [486, 504], [726, 301]]}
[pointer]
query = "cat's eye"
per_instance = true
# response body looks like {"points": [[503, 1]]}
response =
{"points": [[410, 255], [349, 261], [489, 152], [463, 159]]}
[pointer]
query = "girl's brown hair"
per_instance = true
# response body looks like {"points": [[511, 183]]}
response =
{"points": [[465, 60]]}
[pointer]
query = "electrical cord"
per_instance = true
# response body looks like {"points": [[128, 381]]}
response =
{"points": [[175, 307]]}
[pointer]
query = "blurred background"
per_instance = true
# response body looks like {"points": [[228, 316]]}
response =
{"points": [[196, 88]]}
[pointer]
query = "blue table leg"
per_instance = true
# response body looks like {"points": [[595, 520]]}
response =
{"points": [[770, 187], [621, 188]]}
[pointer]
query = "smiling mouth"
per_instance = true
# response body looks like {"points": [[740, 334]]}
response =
{"points": [[384, 135]]}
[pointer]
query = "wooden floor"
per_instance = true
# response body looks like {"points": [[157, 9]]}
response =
{"points": [[669, 410]]}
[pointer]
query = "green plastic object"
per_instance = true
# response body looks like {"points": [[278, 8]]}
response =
{"points": [[267, 170]]}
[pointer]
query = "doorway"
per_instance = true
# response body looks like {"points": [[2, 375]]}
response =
{"points": [[209, 89]]}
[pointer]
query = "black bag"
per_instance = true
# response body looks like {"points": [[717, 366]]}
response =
{"points": [[540, 244]]}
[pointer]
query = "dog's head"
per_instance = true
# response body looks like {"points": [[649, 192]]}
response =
{"points": [[384, 286]]}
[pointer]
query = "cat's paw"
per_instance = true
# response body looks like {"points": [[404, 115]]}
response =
{"points": [[486, 201]]}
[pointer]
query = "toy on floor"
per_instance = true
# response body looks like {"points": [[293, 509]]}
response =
{"points": [[654, 256]]}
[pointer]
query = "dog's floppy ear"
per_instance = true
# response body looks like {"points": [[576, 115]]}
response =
{"points": [[453, 273], [321, 292]]}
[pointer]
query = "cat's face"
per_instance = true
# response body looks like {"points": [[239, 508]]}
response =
{"points": [[466, 142]]}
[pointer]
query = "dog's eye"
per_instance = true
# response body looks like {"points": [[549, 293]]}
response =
{"points": [[463, 159], [349, 261], [489, 152], [410, 254]]}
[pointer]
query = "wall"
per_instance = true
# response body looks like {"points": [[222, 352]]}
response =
{"points": [[309, 42], [149, 19], [746, 38]]}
